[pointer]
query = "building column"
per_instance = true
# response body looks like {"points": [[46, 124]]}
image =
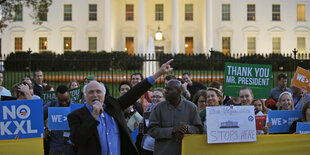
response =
{"points": [[209, 25], [107, 26], [175, 40], [141, 27]]}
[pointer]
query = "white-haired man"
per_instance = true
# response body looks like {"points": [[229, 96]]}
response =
{"points": [[99, 127]]}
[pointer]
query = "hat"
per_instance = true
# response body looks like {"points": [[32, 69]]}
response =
{"points": [[90, 77]]}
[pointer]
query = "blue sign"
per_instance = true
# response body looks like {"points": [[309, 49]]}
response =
{"points": [[134, 135], [76, 106], [21, 119], [57, 118], [281, 120], [303, 128]]}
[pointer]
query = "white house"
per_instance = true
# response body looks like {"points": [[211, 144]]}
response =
{"points": [[186, 26]]}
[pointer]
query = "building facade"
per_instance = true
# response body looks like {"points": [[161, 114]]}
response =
{"points": [[186, 26]]}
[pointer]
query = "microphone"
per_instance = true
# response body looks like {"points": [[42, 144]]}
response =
{"points": [[95, 102]]}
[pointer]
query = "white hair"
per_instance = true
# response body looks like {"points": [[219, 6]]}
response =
{"points": [[100, 83]]}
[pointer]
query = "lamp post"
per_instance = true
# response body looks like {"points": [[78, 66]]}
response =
{"points": [[29, 63], [295, 53], [158, 35]]}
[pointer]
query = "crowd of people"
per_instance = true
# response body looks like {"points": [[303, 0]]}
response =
{"points": [[100, 127]]}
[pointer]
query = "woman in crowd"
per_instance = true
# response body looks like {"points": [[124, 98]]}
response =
{"points": [[73, 84], [285, 101], [148, 142], [305, 117], [200, 99], [214, 98], [260, 106]]}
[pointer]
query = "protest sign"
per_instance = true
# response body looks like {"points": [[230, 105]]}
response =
{"points": [[257, 77], [21, 119], [260, 122], [226, 125], [303, 128], [134, 119], [76, 106], [301, 79], [57, 118], [281, 120], [48, 96], [75, 95]]}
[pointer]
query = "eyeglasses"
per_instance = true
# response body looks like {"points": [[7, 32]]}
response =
{"points": [[156, 96]]}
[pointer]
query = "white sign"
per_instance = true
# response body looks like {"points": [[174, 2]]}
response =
{"points": [[226, 125]]}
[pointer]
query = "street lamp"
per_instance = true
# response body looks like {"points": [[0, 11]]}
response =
{"points": [[158, 35], [295, 53], [29, 62]]}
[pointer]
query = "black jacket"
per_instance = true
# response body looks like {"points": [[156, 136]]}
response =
{"points": [[83, 126]]}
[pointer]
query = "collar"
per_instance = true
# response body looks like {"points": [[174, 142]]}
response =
{"points": [[179, 107]]}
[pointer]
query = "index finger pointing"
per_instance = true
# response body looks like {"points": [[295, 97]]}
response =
{"points": [[168, 62]]}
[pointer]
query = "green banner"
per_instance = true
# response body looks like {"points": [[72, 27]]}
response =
{"points": [[75, 95], [255, 76]]}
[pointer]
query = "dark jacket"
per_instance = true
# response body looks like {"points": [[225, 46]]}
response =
{"points": [[37, 89], [83, 126]]}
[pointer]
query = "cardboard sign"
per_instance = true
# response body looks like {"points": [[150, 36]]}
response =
{"points": [[303, 128], [301, 79], [135, 118], [226, 125], [257, 77], [21, 119], [57, 118], [260, 121], [281, 120], [75, 95]]}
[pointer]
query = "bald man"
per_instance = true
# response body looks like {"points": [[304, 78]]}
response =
{"points": [[100, 127], [171, 119]]}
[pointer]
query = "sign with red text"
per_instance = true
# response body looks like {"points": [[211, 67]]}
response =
{"points": [[302, 79], [260, 121], [230, 125]]}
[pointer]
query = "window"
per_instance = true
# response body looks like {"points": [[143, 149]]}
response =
{"points": [[251, 12], [129, 45], [67, 43], [301, 12], [251, 45], [67, 12], [226, 45], [43, 12], [276, 12], [276, 45], [18, 44], [159, 49], [301, 45], [18, 12], [159, 12], [225, 12], [189, 12], [92, 12], [129, 12], [42, 44], [189, 45], [92, 44]]}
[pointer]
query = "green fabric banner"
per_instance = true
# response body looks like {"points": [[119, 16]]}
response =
{"points": [[255, 76]]}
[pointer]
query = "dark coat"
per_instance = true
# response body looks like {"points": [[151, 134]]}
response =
{"points": [[83, 126]]}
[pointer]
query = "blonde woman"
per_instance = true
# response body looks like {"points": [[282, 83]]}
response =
{"points": [[285, 101]]}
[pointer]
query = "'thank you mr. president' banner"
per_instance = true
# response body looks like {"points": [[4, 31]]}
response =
{"points": [[255, 76], [21, 119]]}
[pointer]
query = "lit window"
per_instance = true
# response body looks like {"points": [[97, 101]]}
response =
{"points": [[225, 12], [251, 45], [129, 45], [276, 12], [189, 12], [189, 45], [301, 12], [67, 12], [18, 44], [276, 45], [251, 12], [18, 12], [67, 43], [226, 45], [42, 44], [92, 44], [159, 12], [129, 12], [301, 45], [43, 11], [92, 12]]}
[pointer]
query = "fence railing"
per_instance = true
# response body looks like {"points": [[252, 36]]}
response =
{"points": [[112, 68]]}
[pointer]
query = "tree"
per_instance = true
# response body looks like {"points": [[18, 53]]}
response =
{"points": [[9, 9]]}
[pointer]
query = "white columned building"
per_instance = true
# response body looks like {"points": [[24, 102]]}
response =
{"points": [[107, 26], [175, 27], [141, 27]]}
